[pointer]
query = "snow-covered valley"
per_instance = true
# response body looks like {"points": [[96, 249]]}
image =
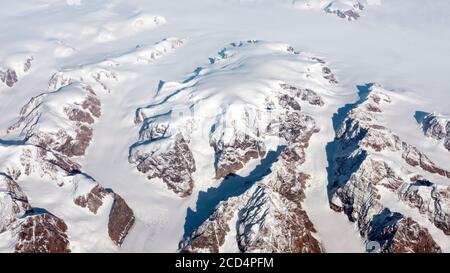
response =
{"points": [[224, 126]]}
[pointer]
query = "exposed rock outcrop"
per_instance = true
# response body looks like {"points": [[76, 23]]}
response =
{"points": [[9, 77], [174, 165], [437, 127], [304, 94], [362, 128], [121, 219], [269, 216], [32, 230], [14, 202], [55, 128], [397, 234], [345, 10], [430, 199], [60, 121], [237, 126], [231, 157], [42, 233], [360, 172], [16, 68], [92, 200]]}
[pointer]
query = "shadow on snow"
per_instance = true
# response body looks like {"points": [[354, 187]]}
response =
{"points": [[231, 186]]}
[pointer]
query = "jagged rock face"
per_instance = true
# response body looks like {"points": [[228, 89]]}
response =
{"points": [[237, 127], [303, 94], [93, 200], [231, 157], [32, 159], [360, 170], [328, 75], [269, 216], [174, 165], [60, 121], [268, 220], [256, 234], [362, 128], [13, 202], [296, 128], [437, 127], [414, 157], [350, 10], [42, 233], [357, 195], [28, 160], [34, 233], [235, 142], [430, 199], [121, 219], [210, 236], [359, 198], [9, 77], [397, 234], [345, 10], [412, 238], [53, 128], [284, 185]]}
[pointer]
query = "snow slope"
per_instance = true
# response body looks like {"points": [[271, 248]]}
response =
{"points": [[136, 53]]}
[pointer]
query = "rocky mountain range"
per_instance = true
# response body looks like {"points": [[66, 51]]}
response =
{"points": [[258, 126]]}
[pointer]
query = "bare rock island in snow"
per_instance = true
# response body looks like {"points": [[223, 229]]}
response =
{"points": [[16, 67]]}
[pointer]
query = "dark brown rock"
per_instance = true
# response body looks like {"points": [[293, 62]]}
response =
{"points": [[410, 237], [121, 219], [233, 157], [174, 166], [42, 233], [93, 200]]}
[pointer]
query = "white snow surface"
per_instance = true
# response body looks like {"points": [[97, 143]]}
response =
{"points": [[401, 44]]}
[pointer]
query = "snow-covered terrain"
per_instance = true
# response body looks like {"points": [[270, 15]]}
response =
{"points": [[224, 126]]}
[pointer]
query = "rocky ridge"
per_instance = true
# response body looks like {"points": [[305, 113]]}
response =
{"points": [[360, 173], [53, 131], [348, 10], [437, 127], [268, 217], [15, 68], [236, 131]]}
